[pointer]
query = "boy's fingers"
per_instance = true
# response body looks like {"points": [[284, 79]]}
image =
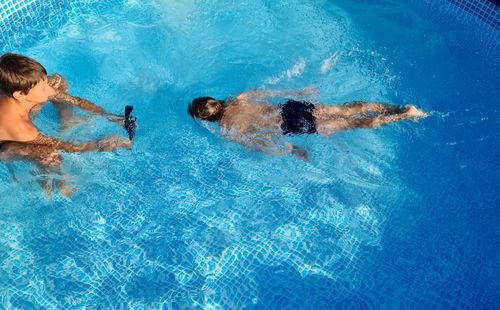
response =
{"points": [[113, 142], [127, 144], [116, 120], [114, 115]]}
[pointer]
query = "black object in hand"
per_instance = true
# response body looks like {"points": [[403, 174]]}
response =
{"points": [[130, 122]]}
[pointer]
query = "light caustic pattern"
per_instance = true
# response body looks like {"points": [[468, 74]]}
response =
{"points": [[187, 219]]}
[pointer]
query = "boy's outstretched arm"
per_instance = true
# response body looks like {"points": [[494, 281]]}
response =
{"points": [[262, 94], [60, 86], [106, 144]]}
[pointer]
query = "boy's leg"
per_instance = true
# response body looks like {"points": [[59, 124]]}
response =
{"points": [[329, 127], [323, 111], [357, 108], [45, 179], [376, 121], [48, 161], [50, 175]]}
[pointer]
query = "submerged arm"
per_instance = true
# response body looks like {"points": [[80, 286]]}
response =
{"points": [[266, 144], [259, 94], [106, 144]]}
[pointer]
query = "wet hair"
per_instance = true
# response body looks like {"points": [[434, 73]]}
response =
{"points": [[206, 108], [19, 73]]}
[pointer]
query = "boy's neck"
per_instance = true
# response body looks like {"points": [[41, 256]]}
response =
{"points": [[15, 107]]}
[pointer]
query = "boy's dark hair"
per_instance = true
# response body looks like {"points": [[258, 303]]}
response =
{"points": [[19, 73], [206, 109]]}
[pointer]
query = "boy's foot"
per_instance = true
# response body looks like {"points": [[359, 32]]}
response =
{"points": [[413, 112]]}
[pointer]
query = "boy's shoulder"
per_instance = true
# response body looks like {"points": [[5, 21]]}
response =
{"points": [[21, 132]]}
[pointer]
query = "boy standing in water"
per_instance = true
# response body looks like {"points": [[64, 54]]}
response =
{"points": [[24, 89]]}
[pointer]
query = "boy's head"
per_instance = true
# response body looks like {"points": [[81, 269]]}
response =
{"points": [[206, 108], [23, 78]]}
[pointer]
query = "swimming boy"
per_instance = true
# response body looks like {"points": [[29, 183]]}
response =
{"points": [[257, 125], [24, 89]]}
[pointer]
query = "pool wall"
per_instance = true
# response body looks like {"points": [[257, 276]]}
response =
{"points": [[482, 16], [41, 15], [10, 7], [46, 16], [467, 9]]}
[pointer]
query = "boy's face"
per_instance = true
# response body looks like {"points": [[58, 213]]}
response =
{"points": [[38, 94]]}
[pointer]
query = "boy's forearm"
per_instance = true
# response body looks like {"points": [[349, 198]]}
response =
{"points": [[293, 93], [269, 147], [261, 145], [271, 93], [44, 140], [81, 103], [88, 146], [60, 87]]}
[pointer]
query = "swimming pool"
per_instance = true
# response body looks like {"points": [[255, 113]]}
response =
{"points": [[403, 216]]}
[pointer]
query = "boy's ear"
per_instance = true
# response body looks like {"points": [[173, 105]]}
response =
{"points": [[18, 95]]}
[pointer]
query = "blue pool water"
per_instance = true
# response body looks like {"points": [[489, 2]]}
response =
{"points": [[404, 216]]}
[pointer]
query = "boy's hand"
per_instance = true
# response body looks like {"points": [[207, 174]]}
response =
{"points": [[115, 118], [309, 91], [300, 153], [111, 143]]}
